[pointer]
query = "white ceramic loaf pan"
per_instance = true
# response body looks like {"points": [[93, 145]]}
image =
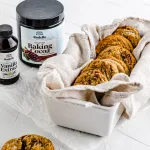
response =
{"points": [[83, 116]]}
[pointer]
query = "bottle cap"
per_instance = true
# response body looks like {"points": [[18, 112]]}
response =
{"points": [[5, 30]]}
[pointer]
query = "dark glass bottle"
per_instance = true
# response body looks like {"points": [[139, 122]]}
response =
{"points": [[9, 71]]}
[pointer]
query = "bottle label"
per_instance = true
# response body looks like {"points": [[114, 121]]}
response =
{"points": [[9, 65], [38, 45]]}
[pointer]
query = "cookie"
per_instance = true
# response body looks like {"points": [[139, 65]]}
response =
{"points": [[13, 144], [116, 60], [120, 53], [113, 40], [119, 67], [36, 142], [129, 33], [106, 67], [91, 77]]}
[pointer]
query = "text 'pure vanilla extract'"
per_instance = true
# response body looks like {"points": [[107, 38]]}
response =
{"points": [[9, 72]]}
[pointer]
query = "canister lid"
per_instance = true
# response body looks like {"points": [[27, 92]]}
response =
{"points": [[40, 13]]}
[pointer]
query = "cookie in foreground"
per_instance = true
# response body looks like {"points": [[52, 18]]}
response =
{"points": [[29, 142], [13, 144]]}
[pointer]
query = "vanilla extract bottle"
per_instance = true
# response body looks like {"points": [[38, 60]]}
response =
{"points": [[9, 72]]}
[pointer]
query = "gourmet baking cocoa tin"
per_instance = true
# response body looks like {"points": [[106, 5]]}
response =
{"points": [[40, 30]]}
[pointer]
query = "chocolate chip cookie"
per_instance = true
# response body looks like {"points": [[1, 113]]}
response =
{"points": [[120, 53], [129, 33], [113, 40], [116, 60], [36, 142], [91, 77], [106, 67], [119, 66], [13, 144], [29, 142]]}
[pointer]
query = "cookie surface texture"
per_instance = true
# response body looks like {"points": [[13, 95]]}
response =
{"points": [[129, 33], [116, 60], [120, 53], [13, 144], [119, 66], [113, 40], [106, 67], [36, 142], [91, 77]]}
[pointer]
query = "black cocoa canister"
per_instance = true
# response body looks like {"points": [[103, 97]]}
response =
{"points": [[40, 30]]}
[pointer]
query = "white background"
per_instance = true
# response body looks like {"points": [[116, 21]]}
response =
{"points": [[134, 134]]}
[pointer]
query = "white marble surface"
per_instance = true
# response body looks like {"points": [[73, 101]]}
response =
{"points": [[133, 134]]}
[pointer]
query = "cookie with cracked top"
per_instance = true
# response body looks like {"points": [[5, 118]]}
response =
{"points": [[129, 33], [13, 144], [119, 66], [120, 53], [116, 60], [29, 142], [113, 40], [91, 77], [36, 142], [107, 67]]}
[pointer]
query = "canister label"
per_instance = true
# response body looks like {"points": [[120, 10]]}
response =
{"points": [[8, 65], [38, 45]]}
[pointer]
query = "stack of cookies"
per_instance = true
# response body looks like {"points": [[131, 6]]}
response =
{"points": [[29, 142], [114, 55]]}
